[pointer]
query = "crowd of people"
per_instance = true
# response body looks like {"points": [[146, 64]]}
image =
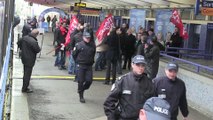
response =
{"points": [[122, 48]]}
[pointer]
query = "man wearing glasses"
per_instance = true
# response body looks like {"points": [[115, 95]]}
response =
{"points": [[129, 93], [173, 90]]}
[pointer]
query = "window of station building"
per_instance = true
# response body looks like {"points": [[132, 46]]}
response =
{"points": [[116, 12], [147, 13], [122, 13], [185, 14], [200, 17], [196, 36], [126, 12]]}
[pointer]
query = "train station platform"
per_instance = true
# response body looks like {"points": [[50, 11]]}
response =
{"points": [[55, 94]]}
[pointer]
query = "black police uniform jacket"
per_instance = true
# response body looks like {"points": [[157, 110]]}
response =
{"points": [[84, 53], [29, 48], [175, 94], [128, 96]]}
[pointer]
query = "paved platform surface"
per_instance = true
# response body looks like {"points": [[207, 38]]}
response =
{"points": [[57, 99]]}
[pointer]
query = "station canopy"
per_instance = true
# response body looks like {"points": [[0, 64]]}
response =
{"points": [[118, 4]]}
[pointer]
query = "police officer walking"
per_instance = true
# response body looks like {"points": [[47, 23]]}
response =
{"points": [[129, 93], [173, 90], [83, 55]]}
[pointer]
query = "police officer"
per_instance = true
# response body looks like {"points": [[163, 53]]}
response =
{"points": [[83, 55], [129, 93], [173, 90]]}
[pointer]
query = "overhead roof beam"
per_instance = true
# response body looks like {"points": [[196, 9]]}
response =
{"points": [[136, 2], [123, 4], [97, 3], [157, 2], [105, 2], [186, 2]]}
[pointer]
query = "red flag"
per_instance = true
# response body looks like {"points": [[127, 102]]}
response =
{"points": [[72, 26], [104, 28], [176, 20]]}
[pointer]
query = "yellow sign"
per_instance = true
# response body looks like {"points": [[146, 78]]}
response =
{"points": [[80, 4], [207, 11]]}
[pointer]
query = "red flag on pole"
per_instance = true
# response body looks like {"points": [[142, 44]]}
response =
{"points": [[72, 26], [104, 28], [176, 20]]}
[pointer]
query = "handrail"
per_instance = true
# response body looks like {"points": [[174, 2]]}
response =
{"points": [[198, 54], [189, 49], [4, 74], [198, 66]]}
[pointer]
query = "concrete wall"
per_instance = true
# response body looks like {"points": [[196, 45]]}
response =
{"points": [[199, 90]]}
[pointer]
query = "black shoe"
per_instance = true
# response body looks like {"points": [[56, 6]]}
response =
{"points": [[82, 100], [106, 83], [81, 96], [27, 91]]}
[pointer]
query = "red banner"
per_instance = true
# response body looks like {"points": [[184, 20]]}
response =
{"points": [[72, 26], [176, 20], [104, 28]]}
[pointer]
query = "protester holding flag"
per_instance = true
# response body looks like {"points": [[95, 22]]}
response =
{"points": [[104, 28], [179, 34], [176, 20], [72, 26], [176, 41], [112, 54], [61, 43], [75, 37]]}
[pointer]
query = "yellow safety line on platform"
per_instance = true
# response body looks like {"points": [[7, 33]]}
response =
{"points": [[63, 77]]}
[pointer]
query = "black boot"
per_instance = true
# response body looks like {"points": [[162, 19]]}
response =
{"points": [[81, 95], [106, 82]]}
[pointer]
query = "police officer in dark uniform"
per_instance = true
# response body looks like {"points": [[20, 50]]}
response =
{"points": [[83, 55], [173, 91], [129, 93]]}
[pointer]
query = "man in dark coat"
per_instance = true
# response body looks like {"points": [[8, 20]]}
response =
{"points": [[176, 42], [75, 37], [152, 54], [129, 49], [112, 54], [29, 47]]}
